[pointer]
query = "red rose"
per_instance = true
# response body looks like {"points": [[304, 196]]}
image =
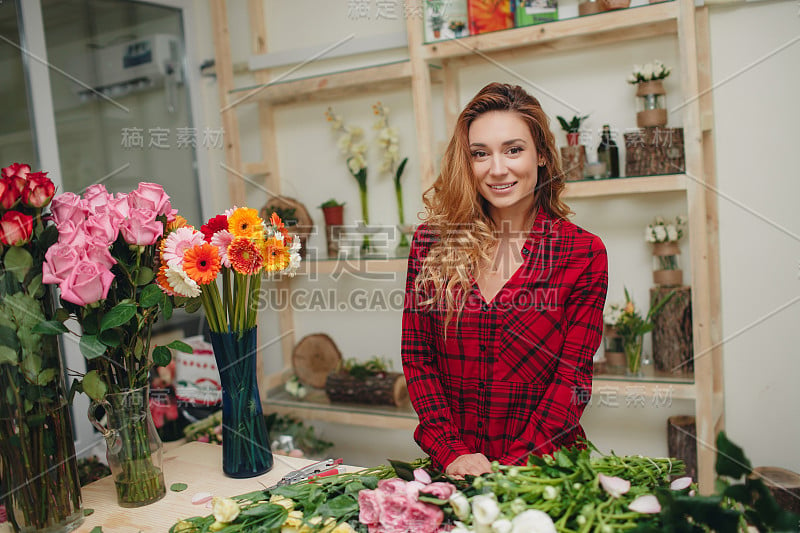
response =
{"points": [[18, 170], [39, 190], [10, 192], [15, 228]]}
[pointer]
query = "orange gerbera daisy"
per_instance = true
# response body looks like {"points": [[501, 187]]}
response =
{"points": [[245, 222], [276, 255], [201, 263], [163, 282], [276, 221], [245, 256], [179, 222]]}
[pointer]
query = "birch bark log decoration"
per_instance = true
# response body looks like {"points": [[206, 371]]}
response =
{"points": [[314, 357]]}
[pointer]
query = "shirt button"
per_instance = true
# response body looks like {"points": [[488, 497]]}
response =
{"points": [[525, 251], [481, 384], [483, 347], [485, 307], [480, 424]]}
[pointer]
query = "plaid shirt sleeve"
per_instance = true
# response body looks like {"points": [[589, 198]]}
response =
{"points": [[556, 421], [436, 433]]}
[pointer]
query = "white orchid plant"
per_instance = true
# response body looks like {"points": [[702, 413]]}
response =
{"points": [[663, 231], [649, 72], [388, 143]]}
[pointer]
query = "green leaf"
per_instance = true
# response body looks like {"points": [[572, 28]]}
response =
{"points": [[18, 261], [47, 238], [271, 516], [193, 305], [161, 356], [87, 512], [180, 346], [166, 308], [62, 315], [35, 287], [91, 347], [110, 338], [403, 470], [151, 295], [46, 376], [339, 507], [7, 355], [50, 327], [178, 487], [8, 337], [94, 386], [31, 366], [731, 460], [145, 276], [96, 529], [120, 314]]}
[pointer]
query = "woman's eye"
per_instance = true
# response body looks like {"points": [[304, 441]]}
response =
{"points": [[514, 150], [478, 154]]}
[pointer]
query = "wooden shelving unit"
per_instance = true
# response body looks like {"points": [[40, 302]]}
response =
{"points": [[440, 62]]}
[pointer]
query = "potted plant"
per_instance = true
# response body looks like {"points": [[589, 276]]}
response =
{"points": [[573, 156], [666, 252], [333, 211], [651, 99], [457, 26]]}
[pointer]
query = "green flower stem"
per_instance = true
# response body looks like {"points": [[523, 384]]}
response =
{"points": [[398, 190], [252, 300], [362, 189], [226, 293]]}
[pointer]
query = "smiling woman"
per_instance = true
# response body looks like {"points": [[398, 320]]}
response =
{"points": [[511, 375]]}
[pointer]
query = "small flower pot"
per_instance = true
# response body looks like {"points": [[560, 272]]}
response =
{"points": [[589, 8], [666, 264], [334, 215], [572, 139], [651, 104]]}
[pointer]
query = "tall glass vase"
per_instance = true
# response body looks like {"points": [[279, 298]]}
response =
{"points": [[245, 443], [633, 355], [134, 450], [37, 450]]}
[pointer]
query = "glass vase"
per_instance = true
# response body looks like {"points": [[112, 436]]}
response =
{"points": [[245, 442], [666, 264], [134, 449], [633, 356]]}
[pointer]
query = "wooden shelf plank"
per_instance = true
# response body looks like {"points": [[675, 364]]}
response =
{"points": [[631, 389], [614, 26], [622, 186], [330, 86]]}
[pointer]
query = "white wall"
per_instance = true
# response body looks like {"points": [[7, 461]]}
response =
{"points": [[756, 117]]}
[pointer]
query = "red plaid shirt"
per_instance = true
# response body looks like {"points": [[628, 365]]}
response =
{"points": [[513, 376]]}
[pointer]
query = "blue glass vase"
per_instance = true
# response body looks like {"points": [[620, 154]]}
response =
{"points": [[245, 442]]}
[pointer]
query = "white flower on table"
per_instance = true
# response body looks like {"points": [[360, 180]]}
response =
{"points": [[533, 521]]}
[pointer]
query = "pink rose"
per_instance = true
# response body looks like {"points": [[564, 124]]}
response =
{"points": [[87, 283], [96, 251], [413, 488], [150, 196], [141, 228], [15, 228], [422, 476], [118, 207], [68, 207], [439, 490], [393, 510], [9, 192], [95, 198], [394, 485], [60, 259], [369, 506], [102, 227], [16, 170], [423, 518], [72, 234], [38, 191]]}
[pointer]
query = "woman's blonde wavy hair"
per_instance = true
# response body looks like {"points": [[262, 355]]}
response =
{"points": [[458, 215]]}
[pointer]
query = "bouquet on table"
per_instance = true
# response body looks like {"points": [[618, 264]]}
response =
{"points": [[104, 263], [239, 247], [37, 450]]}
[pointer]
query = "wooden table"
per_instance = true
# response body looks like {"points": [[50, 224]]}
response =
{"points": [[197, 464]]}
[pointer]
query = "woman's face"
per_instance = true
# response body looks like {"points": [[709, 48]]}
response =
{"points": [[505, 163]]}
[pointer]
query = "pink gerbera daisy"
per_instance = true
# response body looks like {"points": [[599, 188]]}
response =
{"points": [[222, 239], [178, 242]]}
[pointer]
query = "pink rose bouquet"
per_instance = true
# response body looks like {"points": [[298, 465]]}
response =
{"points": [[394, 506]]}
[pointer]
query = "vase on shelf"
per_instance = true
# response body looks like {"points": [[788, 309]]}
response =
{"points": [[633, 355], [134, 449], [666, 264], [334, 220], [651, 104], [610, 5], [246, 448]]}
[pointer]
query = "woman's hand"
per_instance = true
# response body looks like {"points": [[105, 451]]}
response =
{"points": [[473, 464]]}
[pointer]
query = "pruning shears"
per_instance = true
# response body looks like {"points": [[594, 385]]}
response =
{"points": [[327, 467]]}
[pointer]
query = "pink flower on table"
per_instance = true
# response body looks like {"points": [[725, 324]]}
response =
{"points": [[60, 259], [38, 191], [16, 170], [369, 506], [423, 518], [96, 251], [393, 510], [413, 488], [178, 241], [68, 206], [150, 196], [394, 485], [141, 227], [96, 198], [422, 476], [102, 227], [440, 490], [87, 283], [203, 438]]}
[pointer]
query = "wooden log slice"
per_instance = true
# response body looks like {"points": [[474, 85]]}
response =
{"points": [[314, 357], [682, 442], [783, 484], [382, 389]]}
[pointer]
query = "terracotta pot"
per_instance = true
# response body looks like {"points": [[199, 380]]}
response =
{"points": [[334, 215], [572, 139]]}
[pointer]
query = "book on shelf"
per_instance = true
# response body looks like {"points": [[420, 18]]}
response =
{"points": [[530, 12]]}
